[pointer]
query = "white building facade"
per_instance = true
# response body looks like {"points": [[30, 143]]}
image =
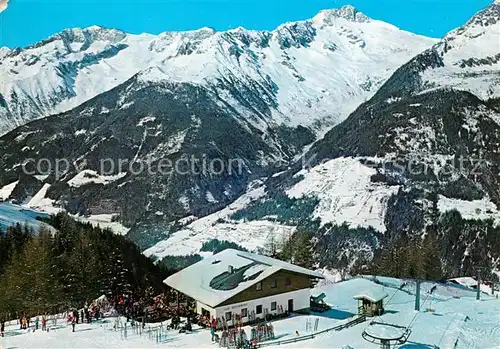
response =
{"points": [[258, 308], [239, 287]]}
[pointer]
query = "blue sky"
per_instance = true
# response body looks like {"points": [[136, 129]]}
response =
{"points": [[28, 21]]}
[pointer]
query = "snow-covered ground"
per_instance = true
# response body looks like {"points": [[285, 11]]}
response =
{"points": [[89, 176], [219, 226], [252, 235], [104, 221], [346, 193], [343, 187], [458, 321], [41, 205], [11, 214], [6, 190], [476, 209]]}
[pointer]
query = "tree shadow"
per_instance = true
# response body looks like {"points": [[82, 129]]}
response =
{"points": [[390, 311], [281, 336], [168, 340], [14, 333]]}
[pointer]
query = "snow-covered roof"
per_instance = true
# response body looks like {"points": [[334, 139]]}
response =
{"points": [[209, 281], [387, 332], [465, 281], [373, 295]]}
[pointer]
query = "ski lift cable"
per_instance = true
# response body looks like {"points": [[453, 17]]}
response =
{"points": [[407, 330], [400, 288], [404, 335], [412, 322], [389, 301], [446, 330]]}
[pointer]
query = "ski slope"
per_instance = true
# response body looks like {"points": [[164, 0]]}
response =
{"points": [[458, 321], [12, 214]]}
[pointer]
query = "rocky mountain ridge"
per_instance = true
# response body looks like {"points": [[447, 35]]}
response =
{"points": [[311, 73]]}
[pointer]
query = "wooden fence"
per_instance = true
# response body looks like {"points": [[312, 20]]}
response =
{"points": [[353, 322]]}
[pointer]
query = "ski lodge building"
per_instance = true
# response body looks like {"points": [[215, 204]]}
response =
{"points": [[240, 286]]}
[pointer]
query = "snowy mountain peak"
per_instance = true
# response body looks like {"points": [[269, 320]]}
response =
{"points": [[180, 43], [4, 51], [348, 12], [71, 67], [481, 22], [91, 34], [488, 16], [466, 59], [75, 39], [238, 29]]}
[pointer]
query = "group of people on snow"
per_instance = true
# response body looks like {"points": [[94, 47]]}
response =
{"points": [[26, 322], [85, 315]]}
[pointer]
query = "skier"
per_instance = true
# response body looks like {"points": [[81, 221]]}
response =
{"points": [[36, 323], [73, 323], [44, 323], [2, 328]]}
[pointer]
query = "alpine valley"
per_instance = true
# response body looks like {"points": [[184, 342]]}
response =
{"points": [[346, 128]]}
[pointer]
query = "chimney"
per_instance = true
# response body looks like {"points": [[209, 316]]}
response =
{"points": [[230, 269]]}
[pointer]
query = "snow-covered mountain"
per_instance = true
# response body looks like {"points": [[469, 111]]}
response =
{"points": [[426, 144], [470, 57], [311, 73], [466, 59], [392, 169]]}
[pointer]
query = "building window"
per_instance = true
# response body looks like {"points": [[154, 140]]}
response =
{"points": [[244, 312], [288, 282], [273, 306], [274, 283], [259, 286], [258, 309], [228, 316]]}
